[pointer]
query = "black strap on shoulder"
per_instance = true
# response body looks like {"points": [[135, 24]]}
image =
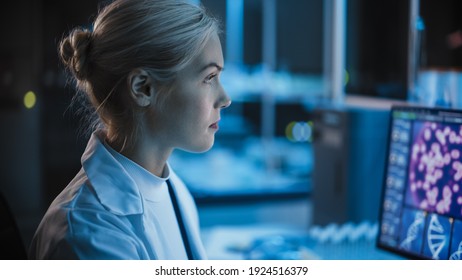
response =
{"points": [[179, 218]]}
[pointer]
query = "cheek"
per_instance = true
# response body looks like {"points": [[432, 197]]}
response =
{"points": [[196, 115], [190, 108], [195, 106], [182, 117]]}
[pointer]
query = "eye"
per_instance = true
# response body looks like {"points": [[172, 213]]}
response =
{"points": [[209, 78]]}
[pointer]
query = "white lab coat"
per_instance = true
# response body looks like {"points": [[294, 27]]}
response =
{"points": [[110, 211]]}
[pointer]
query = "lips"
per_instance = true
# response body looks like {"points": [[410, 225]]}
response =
{"points": [[214, 125]]}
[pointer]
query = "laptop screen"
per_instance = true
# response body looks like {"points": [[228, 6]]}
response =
{"points": [[421, 206]]}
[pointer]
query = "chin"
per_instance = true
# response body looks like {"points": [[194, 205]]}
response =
{"points": [[200, 148]]}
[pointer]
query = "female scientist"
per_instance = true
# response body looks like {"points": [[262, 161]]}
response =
{"points": [[151, 71]]}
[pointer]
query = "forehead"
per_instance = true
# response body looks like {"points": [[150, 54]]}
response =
{"points": [[210, 54]]}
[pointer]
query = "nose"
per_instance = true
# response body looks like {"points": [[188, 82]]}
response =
{"points": [[224, 101]]}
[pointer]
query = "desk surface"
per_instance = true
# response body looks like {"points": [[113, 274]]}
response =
{"points": [[282, 242]]}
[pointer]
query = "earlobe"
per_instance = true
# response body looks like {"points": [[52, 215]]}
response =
{"points": [[141, 87]]}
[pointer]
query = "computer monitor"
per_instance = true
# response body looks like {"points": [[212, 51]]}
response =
{"points": [[421, 206]]}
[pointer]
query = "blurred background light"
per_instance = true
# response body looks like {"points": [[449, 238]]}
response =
{"points": [[29, 99], [299, 131]]}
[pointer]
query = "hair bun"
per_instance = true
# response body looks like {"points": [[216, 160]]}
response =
{"points": [[74, 51]]}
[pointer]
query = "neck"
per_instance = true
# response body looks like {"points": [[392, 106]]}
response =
{"points": [[144, 152]]}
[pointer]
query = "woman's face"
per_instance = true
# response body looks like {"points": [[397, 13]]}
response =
{"points": [[189, 116]]}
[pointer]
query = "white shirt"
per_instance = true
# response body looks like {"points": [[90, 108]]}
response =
{"points": [[115, 209]]}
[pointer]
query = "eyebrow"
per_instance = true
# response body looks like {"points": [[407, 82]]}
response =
{"points": [[212, 64]]}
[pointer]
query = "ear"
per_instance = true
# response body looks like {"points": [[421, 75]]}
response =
{"points": [[141, 87]]}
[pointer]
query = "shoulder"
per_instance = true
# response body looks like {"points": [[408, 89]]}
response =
{"points": [[77, 196], [99, 234], [77, 226]]}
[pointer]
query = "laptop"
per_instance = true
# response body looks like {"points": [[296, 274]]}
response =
{"points": [[421, 203]]}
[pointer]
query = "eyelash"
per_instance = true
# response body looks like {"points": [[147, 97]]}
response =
{"points": [[209, 78]]}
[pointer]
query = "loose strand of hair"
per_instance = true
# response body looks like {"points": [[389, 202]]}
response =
{"points": [[105, 100]]}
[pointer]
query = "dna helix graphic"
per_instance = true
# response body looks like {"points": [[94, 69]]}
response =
{"points": [[457, 254], [413, 231], [436, 237]]}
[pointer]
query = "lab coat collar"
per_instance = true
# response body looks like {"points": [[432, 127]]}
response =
{"points": [[149, 185], [114, 187]]}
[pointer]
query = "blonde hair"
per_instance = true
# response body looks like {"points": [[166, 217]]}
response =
{"points": [[159, 36]]}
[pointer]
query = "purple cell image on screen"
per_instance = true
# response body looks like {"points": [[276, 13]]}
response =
{"points": [[435, 168]]}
